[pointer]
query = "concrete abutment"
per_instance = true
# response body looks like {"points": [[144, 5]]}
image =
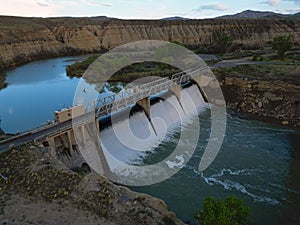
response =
{"points": [[79, 145]]}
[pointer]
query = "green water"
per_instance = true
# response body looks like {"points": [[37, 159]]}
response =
{"points": [[258, 162]]}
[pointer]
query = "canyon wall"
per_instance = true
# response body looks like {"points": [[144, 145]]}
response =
{"points": [[26, 39]]}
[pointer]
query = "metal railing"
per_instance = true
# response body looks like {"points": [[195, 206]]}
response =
{"points": [[123, 99]]}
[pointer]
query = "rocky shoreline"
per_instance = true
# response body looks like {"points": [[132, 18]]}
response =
{"points": [[274, 99], [274, 103], [35, 188]]}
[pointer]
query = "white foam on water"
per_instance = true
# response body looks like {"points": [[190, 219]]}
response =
{"points": [[227, 184], [178, 163], [129, 139]]}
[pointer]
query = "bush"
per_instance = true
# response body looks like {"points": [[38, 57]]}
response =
{"points": [[219, 212], [282, 44], [177, 43], [255, 57], [258, 57], [224, 43], [77, 69]]}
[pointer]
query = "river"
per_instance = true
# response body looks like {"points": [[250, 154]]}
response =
{"points": [[258, 162]]}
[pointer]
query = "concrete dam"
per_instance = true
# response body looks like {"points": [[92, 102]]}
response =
{"points": [[131, 132], [126, 133], [139, 120]]}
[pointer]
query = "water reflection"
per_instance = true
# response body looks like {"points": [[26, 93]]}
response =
{"points": [[40, 72], [3, 83], [30, 93]]}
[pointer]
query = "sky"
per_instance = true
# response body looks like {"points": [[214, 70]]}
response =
{"points": [[142, 9]]}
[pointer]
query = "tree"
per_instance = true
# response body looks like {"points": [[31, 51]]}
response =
{"points": [[282, 44], [224, 43], [228, 212], [177, 43]]}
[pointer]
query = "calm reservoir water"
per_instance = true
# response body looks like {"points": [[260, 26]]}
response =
{"points": [[258, 162], [34, 92]]}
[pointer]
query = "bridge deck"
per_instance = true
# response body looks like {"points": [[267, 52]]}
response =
{"points": [[122, 100]]}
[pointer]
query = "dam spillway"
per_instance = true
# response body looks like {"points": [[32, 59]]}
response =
{"points": [[130, 137]]}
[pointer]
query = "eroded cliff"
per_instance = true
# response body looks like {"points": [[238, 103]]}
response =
{"points": [[26, 39]]}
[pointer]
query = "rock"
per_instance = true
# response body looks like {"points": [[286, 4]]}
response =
{"points": [[5, 221], [40, 145], [272, 97]]}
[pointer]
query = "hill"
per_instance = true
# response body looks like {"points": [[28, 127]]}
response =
{"points": [[26, 39], [251, 14], [175, 18]]}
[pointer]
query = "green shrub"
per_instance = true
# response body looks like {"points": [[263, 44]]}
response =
{"points": [[78, 68], [224, 43], [282, 44], [219, 212], [168, 221]]}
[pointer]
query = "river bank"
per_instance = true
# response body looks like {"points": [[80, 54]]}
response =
{"points": [[33, 181], [267, 92]]}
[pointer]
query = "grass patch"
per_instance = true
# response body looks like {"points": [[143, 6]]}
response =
{"points": [[77, 69], [30, 176], [47, 182], [126, 74]]}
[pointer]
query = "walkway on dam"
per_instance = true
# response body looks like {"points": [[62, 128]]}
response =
{"points": [[102, 107]]}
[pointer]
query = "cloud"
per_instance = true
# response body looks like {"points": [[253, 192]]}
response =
{"points": [[296, 1], [42, 8], [288, 11], [42, 4], [96, 3], [214, 7], [276, 2], [178, 14], [271, 2], [11, 111]]}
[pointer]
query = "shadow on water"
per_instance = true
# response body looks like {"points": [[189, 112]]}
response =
{"points": [[291, 210], [3, 84], [258, 162]]}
